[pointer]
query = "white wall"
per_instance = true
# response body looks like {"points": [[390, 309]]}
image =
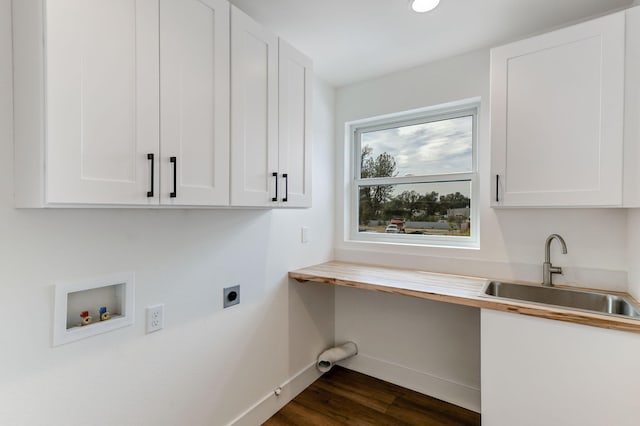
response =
{"points": [[633, 254], [208, 365], [511, 244]]}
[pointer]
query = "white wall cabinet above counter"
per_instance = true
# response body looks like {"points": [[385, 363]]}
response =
{"points": [[270, 110], [142, 116], [559, 137], [631, 193], [294, 125], [86, 122], [194, 102], [254, 106]]}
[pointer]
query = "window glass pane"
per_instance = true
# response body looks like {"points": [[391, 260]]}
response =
{"points": [[416, 209], [437, 147]]}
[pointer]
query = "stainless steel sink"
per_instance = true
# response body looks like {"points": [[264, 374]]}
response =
{"points": [[604, 303]]}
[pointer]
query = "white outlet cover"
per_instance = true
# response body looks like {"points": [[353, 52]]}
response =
{"points": [[304, 234], [155, 318]]}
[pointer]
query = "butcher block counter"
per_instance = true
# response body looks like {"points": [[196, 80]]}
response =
{"points": [[456, 289]]}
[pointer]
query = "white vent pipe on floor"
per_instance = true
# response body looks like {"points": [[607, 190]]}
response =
{"points": [[328, 358]]}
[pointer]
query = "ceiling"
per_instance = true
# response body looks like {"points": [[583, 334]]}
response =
{"points": [[354, 40]]}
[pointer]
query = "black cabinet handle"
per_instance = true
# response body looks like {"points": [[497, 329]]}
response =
{"points": [[150, 157], [497, 188], [275, 175], [286, 187], [175, 174]]}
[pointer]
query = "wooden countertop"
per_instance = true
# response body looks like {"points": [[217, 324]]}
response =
{"points": [[457, 289]]}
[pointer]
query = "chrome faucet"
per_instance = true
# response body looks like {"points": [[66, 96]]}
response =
{"points": [[547, 268]]}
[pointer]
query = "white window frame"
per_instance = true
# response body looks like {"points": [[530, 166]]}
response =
{"points": [[468, 107]]}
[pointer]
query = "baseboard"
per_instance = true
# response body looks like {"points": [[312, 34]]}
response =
{"points": [[270, 403], [455, 393]]}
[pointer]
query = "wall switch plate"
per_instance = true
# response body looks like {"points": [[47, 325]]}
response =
{"points": [[155, 318], [231, 296], [304, 234]]}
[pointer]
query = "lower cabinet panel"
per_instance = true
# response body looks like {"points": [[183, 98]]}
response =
{"points": [[544, 372]]}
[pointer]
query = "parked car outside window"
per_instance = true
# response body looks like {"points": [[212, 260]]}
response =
{"points": [[391, 229]]}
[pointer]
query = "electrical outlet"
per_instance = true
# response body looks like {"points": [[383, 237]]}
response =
{"points": [[155, 318], [231, 296]]}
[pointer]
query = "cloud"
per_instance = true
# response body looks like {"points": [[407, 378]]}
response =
{"points": [[423, 149]]}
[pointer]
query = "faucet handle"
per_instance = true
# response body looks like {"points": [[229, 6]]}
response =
{"points": [[555, 269]]}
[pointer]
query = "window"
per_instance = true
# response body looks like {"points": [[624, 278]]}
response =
{"points": [[415, 177]]}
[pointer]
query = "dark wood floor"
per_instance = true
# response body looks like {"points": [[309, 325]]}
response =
{"points": [[344, 397]]}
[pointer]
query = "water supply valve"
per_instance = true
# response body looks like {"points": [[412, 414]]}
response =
{"points": [[86, 318]]}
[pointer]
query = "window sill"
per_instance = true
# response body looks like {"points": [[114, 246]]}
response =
{"points": [[397, 240]]}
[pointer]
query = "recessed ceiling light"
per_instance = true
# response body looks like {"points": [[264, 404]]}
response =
{"points": [[421, 6]]}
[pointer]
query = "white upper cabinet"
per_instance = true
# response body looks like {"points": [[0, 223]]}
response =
{"points": [[148, 114], [294, 158], [88, 143], [632, 111], [270, 118], [557, 105], [125, 103], [254, 112], [194, 96]]}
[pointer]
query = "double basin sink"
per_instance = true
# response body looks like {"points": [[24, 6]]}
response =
{"points": [[602, 303]]}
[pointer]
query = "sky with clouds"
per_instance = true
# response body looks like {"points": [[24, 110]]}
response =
{"points": [[427, 149]]}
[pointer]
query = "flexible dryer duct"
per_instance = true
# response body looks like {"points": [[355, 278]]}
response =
{"points": [[328, 358]]}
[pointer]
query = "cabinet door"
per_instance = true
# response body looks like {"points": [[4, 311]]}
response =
{"points": [[294, 136], [254, 112], [545, 372], [101, 86], [632, 110], [194, 96], [557, 117]]}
